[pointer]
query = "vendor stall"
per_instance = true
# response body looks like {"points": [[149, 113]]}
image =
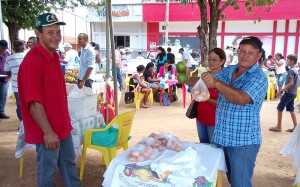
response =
{"points": [[197, 165]]}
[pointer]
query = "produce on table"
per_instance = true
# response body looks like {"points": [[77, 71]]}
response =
{"points": [[71, 76], [149, 147]]}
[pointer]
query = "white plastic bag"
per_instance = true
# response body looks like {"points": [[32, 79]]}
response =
{"points": [[200, 91]]}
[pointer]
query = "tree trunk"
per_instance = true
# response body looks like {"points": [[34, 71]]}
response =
{"points": [[13, 31], [213, 26], [203, 32]]}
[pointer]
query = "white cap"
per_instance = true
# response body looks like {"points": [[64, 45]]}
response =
{"points": [[67, 45]]}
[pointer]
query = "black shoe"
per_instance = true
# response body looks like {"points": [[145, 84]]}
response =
{"points": [[4, 116]]}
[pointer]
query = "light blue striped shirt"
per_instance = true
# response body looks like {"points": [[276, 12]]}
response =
{"points": [[87, 60]]}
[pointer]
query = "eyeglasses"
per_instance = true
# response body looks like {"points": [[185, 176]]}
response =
{"points": [[29, 42], [214, 59]]}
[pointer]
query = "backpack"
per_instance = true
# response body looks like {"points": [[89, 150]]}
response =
{"points": [[166, 100], [129, 97]]}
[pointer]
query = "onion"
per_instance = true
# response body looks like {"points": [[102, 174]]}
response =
{"points": [[140, 158], [135, 153]]}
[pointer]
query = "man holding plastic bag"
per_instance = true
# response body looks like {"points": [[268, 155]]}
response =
{"points": [[242, 89]]}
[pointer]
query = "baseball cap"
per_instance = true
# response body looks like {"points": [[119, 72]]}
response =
{"points": [[47, 19], [4, 44], [67, 45], [181, 49], [254, 41]]}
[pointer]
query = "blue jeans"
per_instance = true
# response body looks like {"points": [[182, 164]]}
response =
{"points": [[18, 110], [205, 133], [281, 79], [62, 158], [3, 95], [240, 163], [119, 77], [88, 83]]}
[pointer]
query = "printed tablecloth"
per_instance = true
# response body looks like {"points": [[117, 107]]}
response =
{"points": [[209, 161], [79, 128]]}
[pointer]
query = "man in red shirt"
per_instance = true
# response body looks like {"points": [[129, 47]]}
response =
{"points": [[44, 107]]}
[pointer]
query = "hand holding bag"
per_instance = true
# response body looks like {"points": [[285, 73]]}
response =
{"points": [[192, 110]]}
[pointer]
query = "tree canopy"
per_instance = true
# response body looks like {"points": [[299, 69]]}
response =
{"points": [[20, 14]]}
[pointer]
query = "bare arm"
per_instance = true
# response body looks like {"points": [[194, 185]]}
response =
{"points": [[86, 76], [213, 101], [234, 95], [278, 63], [38, 113], [287, 86], [142, 84]]}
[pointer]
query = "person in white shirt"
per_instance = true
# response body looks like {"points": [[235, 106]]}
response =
{"points": [[229, 55], [186, 57], [87, 61], [71, 59], [280, 64], [11, 68], [30, 43]]}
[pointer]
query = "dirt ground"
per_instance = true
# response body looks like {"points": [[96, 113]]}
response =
{"points": [[272, 169]]}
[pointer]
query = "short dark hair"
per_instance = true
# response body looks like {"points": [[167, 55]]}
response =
{"points": [[293, 57], [85, 36], [140, 68], [169, 49], [149, 65], [18, 46]]}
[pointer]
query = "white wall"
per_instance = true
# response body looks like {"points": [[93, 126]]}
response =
{"points": [[248, 26], [136, 30]]}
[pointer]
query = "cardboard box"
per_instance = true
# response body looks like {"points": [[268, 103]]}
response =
{"points": [[83, 107]]}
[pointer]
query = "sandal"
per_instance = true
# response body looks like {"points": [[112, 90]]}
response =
{"points": [[290, 130], [274, 129]]}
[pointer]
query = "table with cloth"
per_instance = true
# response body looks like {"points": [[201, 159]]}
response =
{"points": [[79, 128], [199, 165]]}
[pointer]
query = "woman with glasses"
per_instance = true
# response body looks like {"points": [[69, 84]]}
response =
{"points": [[206, 111]]}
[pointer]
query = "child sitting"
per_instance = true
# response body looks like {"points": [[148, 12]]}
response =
{"points": [[139, 88]]}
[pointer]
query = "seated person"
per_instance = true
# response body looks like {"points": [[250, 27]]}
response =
{"points": [[144, 87], [167, 68], [138, 88], [148, 74]]}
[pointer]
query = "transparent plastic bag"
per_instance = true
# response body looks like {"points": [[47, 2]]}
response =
{"points": [[200, 92]]}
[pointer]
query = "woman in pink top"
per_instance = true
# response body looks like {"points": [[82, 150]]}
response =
{"points": [[167, 68]]}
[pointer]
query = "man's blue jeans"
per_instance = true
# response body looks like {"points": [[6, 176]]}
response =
{"points": [[240, 163], [205, 133], [62, 158], [119, 77], [18, 110], [3, 95]]}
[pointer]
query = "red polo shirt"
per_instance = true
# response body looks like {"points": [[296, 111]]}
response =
{"points": [[206, 112], [41, 79]]}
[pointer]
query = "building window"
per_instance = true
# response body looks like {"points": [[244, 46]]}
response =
{"points": [[122, 41]]}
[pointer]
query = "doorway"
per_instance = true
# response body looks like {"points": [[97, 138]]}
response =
{"points": [[122, 41]]}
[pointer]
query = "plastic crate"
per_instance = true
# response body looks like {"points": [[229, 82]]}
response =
{"points": [[83, 107]]}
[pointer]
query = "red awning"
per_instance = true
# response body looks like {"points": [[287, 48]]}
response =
{"points": [[282, 10]]}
